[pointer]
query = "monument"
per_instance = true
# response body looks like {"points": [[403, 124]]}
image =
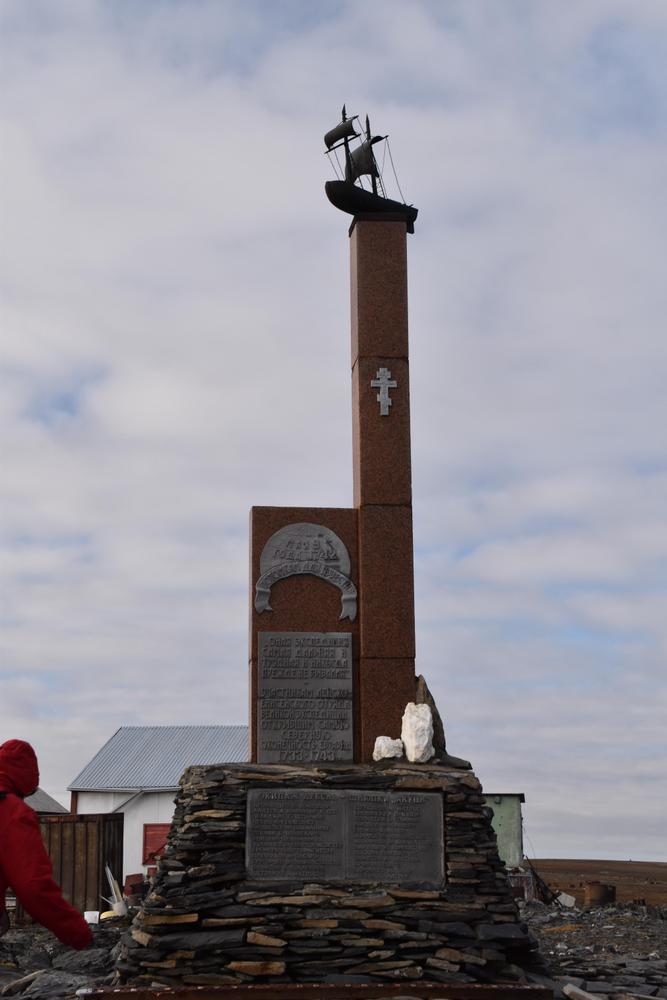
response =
{"points": [[313, 863]]}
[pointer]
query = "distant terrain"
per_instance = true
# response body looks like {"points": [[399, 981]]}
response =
{"points": [[634, 880]]}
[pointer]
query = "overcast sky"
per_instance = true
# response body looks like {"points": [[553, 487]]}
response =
{"points": [[175, 349]]}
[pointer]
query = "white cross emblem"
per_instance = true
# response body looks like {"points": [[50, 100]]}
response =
{"points": [[384, 382]]}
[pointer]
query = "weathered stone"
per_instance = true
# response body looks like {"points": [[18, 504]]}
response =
{"points": [[314, 889], [150, 919], [91, 961], [383, 966], [295, 900], [265, 940], [201, 939], [456, 929], [417, 733], [230, 921], [456, 955], [362, 942], [424, 697], [19, 985], [322, 923], [412, 973], [378, 925], [441, 963], [415, 894], [415, 783], [385, 748], [54, 984], [238, 910], [378, 901], [258, 968], [501, 932], [141, 937], [204, 814]]}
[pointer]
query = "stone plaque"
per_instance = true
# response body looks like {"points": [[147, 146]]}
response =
{"points": [[304, 697], [349, 836]]}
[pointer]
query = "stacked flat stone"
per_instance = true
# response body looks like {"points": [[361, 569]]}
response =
{"points": [[204, 922]]}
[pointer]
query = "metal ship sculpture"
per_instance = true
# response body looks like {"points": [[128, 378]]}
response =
{"points": [[348, 193]]}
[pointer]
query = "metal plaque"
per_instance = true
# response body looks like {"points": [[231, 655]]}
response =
{"points": [[304, 697], [306, 548], [295, 834]]}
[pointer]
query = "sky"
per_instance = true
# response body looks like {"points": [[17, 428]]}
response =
{"points": [[175, 349]]}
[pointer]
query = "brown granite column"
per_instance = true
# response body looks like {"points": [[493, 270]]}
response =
{"points": [[382, 475]]}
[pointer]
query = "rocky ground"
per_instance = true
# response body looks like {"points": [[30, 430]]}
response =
{"points": [[608, 951], [613, 951], [33, 963]]}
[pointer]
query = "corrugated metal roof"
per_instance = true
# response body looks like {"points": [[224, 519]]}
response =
{"points": [[44, 804], [156, 756]]}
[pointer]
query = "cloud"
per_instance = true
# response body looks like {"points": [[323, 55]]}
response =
{"points": [[175, 349]]}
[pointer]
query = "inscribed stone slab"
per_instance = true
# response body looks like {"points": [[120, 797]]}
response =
{"points": [[304, 706], [350, 836]]}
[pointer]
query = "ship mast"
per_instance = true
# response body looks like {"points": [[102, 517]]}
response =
{"points": [[370, 149], [346, 143]]}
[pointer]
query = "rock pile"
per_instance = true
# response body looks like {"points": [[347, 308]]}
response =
{"points": [[34, 964], [610, 951], [204, 922]]}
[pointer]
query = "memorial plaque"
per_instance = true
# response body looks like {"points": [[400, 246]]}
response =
{"points": [[309, 549], [304, 704], [348, 836]]}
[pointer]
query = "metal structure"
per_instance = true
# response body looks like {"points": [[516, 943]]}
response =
{"points": [[348, 192]]}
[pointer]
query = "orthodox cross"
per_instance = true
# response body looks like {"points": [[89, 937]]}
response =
{"points": [[384, 382]]}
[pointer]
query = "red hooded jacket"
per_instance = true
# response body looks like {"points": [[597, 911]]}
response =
{"points": [[24, 863]]}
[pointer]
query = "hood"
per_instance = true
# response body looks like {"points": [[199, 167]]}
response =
{"points": [[19, 772]]}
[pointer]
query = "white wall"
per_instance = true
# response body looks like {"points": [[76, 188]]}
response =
{"points": [[508, 826], [149, 807]]}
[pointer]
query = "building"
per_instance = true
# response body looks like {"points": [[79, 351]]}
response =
{"points": [[44, 805], [507, 823], [137, 772]]}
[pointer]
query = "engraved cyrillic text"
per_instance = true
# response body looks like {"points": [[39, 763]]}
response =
{"points": [[304, 706], [354, 836]]}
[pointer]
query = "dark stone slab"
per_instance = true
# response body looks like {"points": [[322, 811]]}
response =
{"points": [[501, 932], [354, 836], [304, 690], [197, 940]]}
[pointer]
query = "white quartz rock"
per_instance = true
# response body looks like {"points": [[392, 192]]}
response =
{"points": [[386, 747], [417, 733]]}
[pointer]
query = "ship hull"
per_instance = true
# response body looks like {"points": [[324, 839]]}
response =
{"points": [[355, 200]]}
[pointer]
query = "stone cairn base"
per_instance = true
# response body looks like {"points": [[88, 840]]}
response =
{"points": [[204, 922]]}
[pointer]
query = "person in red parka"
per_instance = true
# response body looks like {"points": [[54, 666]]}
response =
{"points": [[24, 863]]}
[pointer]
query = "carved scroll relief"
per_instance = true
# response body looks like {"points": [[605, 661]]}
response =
{"points": [[306, 548]]}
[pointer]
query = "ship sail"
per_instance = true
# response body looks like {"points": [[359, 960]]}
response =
{"points": [[362, 161], [343, 131]]}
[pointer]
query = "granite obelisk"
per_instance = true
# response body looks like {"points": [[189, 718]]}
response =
{"points": [[382, 474]]}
